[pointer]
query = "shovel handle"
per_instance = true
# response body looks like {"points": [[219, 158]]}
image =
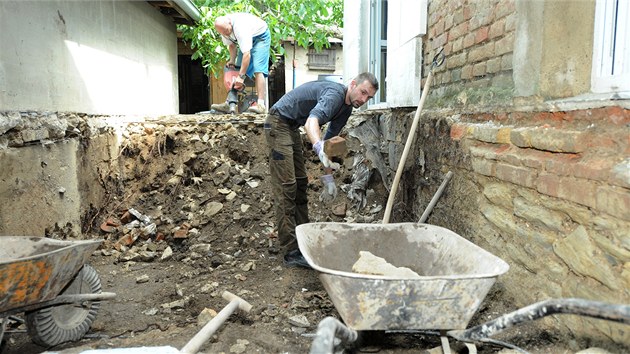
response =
{"points": [[435, 198]]}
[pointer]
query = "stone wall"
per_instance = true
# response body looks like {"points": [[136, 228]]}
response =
{"points": [[55, 173], [548, 192], [541, 169]]}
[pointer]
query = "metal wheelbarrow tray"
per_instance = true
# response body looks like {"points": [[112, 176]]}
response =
{"points": [[49, 280], [455, 274]]}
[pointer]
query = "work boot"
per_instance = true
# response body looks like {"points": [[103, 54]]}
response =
{"points": [[221, 107], [256, 108], [295, 258]]}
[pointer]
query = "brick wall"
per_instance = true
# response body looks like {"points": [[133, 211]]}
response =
{"points": [[478, 41], [545, 185], [547, 191]]}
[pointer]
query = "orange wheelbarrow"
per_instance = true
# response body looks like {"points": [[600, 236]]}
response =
{"points": [[49, 281]]}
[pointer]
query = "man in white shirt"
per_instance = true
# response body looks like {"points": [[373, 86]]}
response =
{"points": [[249, 35]]}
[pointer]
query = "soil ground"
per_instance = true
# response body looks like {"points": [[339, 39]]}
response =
{"points": [[177, 173]]}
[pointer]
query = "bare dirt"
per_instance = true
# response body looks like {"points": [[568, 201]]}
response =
{"points": [[203, 183]]}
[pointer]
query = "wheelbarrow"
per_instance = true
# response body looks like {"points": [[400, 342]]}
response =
{"points": [[48, 280], [454, 276]]}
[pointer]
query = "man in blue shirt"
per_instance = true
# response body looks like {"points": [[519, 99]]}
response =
{"points": [[311, 105]]}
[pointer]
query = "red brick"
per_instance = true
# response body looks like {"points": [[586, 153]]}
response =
{"points": [[448, 22], [467, 72], [559, 140], [560, 164], [617, 115], [469, 40], [483, 166], [504, 8], [439, 41], [504, 45], [525, 157], [479, 69], [105, 227], [510, 22], [458, 31], [595, 168], [521, 137], [521, 176], [497, 29], [438, 28], [548, 184], [614, 201], [488, 151], [458, 131], [579, 191], [467, 12], [481, 34]]}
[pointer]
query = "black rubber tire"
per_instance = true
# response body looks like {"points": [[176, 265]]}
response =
{"points": [[53, 325]]}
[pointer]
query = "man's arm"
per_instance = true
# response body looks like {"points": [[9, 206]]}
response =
{"points": [[240, 81], [312, 129], [232, 49]]}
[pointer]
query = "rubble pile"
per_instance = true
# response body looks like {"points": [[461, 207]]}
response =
{"points": [[188, 183], [196, 218], [194, 180]]}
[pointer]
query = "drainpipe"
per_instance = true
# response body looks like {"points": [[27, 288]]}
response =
{"points": [[190, 9]]}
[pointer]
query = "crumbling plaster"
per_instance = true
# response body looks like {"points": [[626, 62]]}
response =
{"points": [[553, 48]]}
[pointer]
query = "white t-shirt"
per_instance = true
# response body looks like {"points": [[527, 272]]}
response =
{"points": [[245, 27]]}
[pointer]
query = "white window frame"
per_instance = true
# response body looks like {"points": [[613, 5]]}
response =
{"points": [[377, 43], [611, 47]]}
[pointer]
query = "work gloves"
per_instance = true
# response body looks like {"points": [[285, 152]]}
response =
{"points": [[318, 147], [329, 193]]}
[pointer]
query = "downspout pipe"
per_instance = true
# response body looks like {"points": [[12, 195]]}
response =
{"points": [[190, 9], [328, 329]]}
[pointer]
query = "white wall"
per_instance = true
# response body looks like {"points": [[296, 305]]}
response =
{"points": [[406, 25], [302, 72], [356, 36], [97, 57]]}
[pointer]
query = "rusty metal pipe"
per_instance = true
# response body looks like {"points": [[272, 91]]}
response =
{"points": [[582, 307], [435, 198]]}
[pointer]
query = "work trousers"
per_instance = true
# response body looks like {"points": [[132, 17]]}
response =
{"points": [[288, 177]]}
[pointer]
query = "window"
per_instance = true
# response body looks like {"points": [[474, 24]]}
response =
{"points": [[324, 60], [611, 47], [378, 47]]}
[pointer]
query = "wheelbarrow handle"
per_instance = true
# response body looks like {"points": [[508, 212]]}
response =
{"points": [[582, 307], [70, 298]]}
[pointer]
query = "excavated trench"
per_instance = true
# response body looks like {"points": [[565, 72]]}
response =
{"points": [[184, 207]]}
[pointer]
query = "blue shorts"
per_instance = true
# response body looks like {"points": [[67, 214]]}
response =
{"points": [[259, 55]]}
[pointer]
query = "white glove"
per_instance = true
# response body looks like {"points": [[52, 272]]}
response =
{"points": [[330, 189], [318, 147]]}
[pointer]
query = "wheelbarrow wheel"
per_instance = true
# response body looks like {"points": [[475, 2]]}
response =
{"points": [[69, 322]]}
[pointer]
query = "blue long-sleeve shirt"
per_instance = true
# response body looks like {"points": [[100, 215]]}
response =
{"points": [[324, 100]]}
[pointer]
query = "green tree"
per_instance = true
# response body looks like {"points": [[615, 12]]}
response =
{"points": [[306, 22]]}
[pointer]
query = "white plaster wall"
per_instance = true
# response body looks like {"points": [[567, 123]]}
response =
{"points": [[39, 189], [356, 37], [96, 57], [302, 72], [406, 25]]}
